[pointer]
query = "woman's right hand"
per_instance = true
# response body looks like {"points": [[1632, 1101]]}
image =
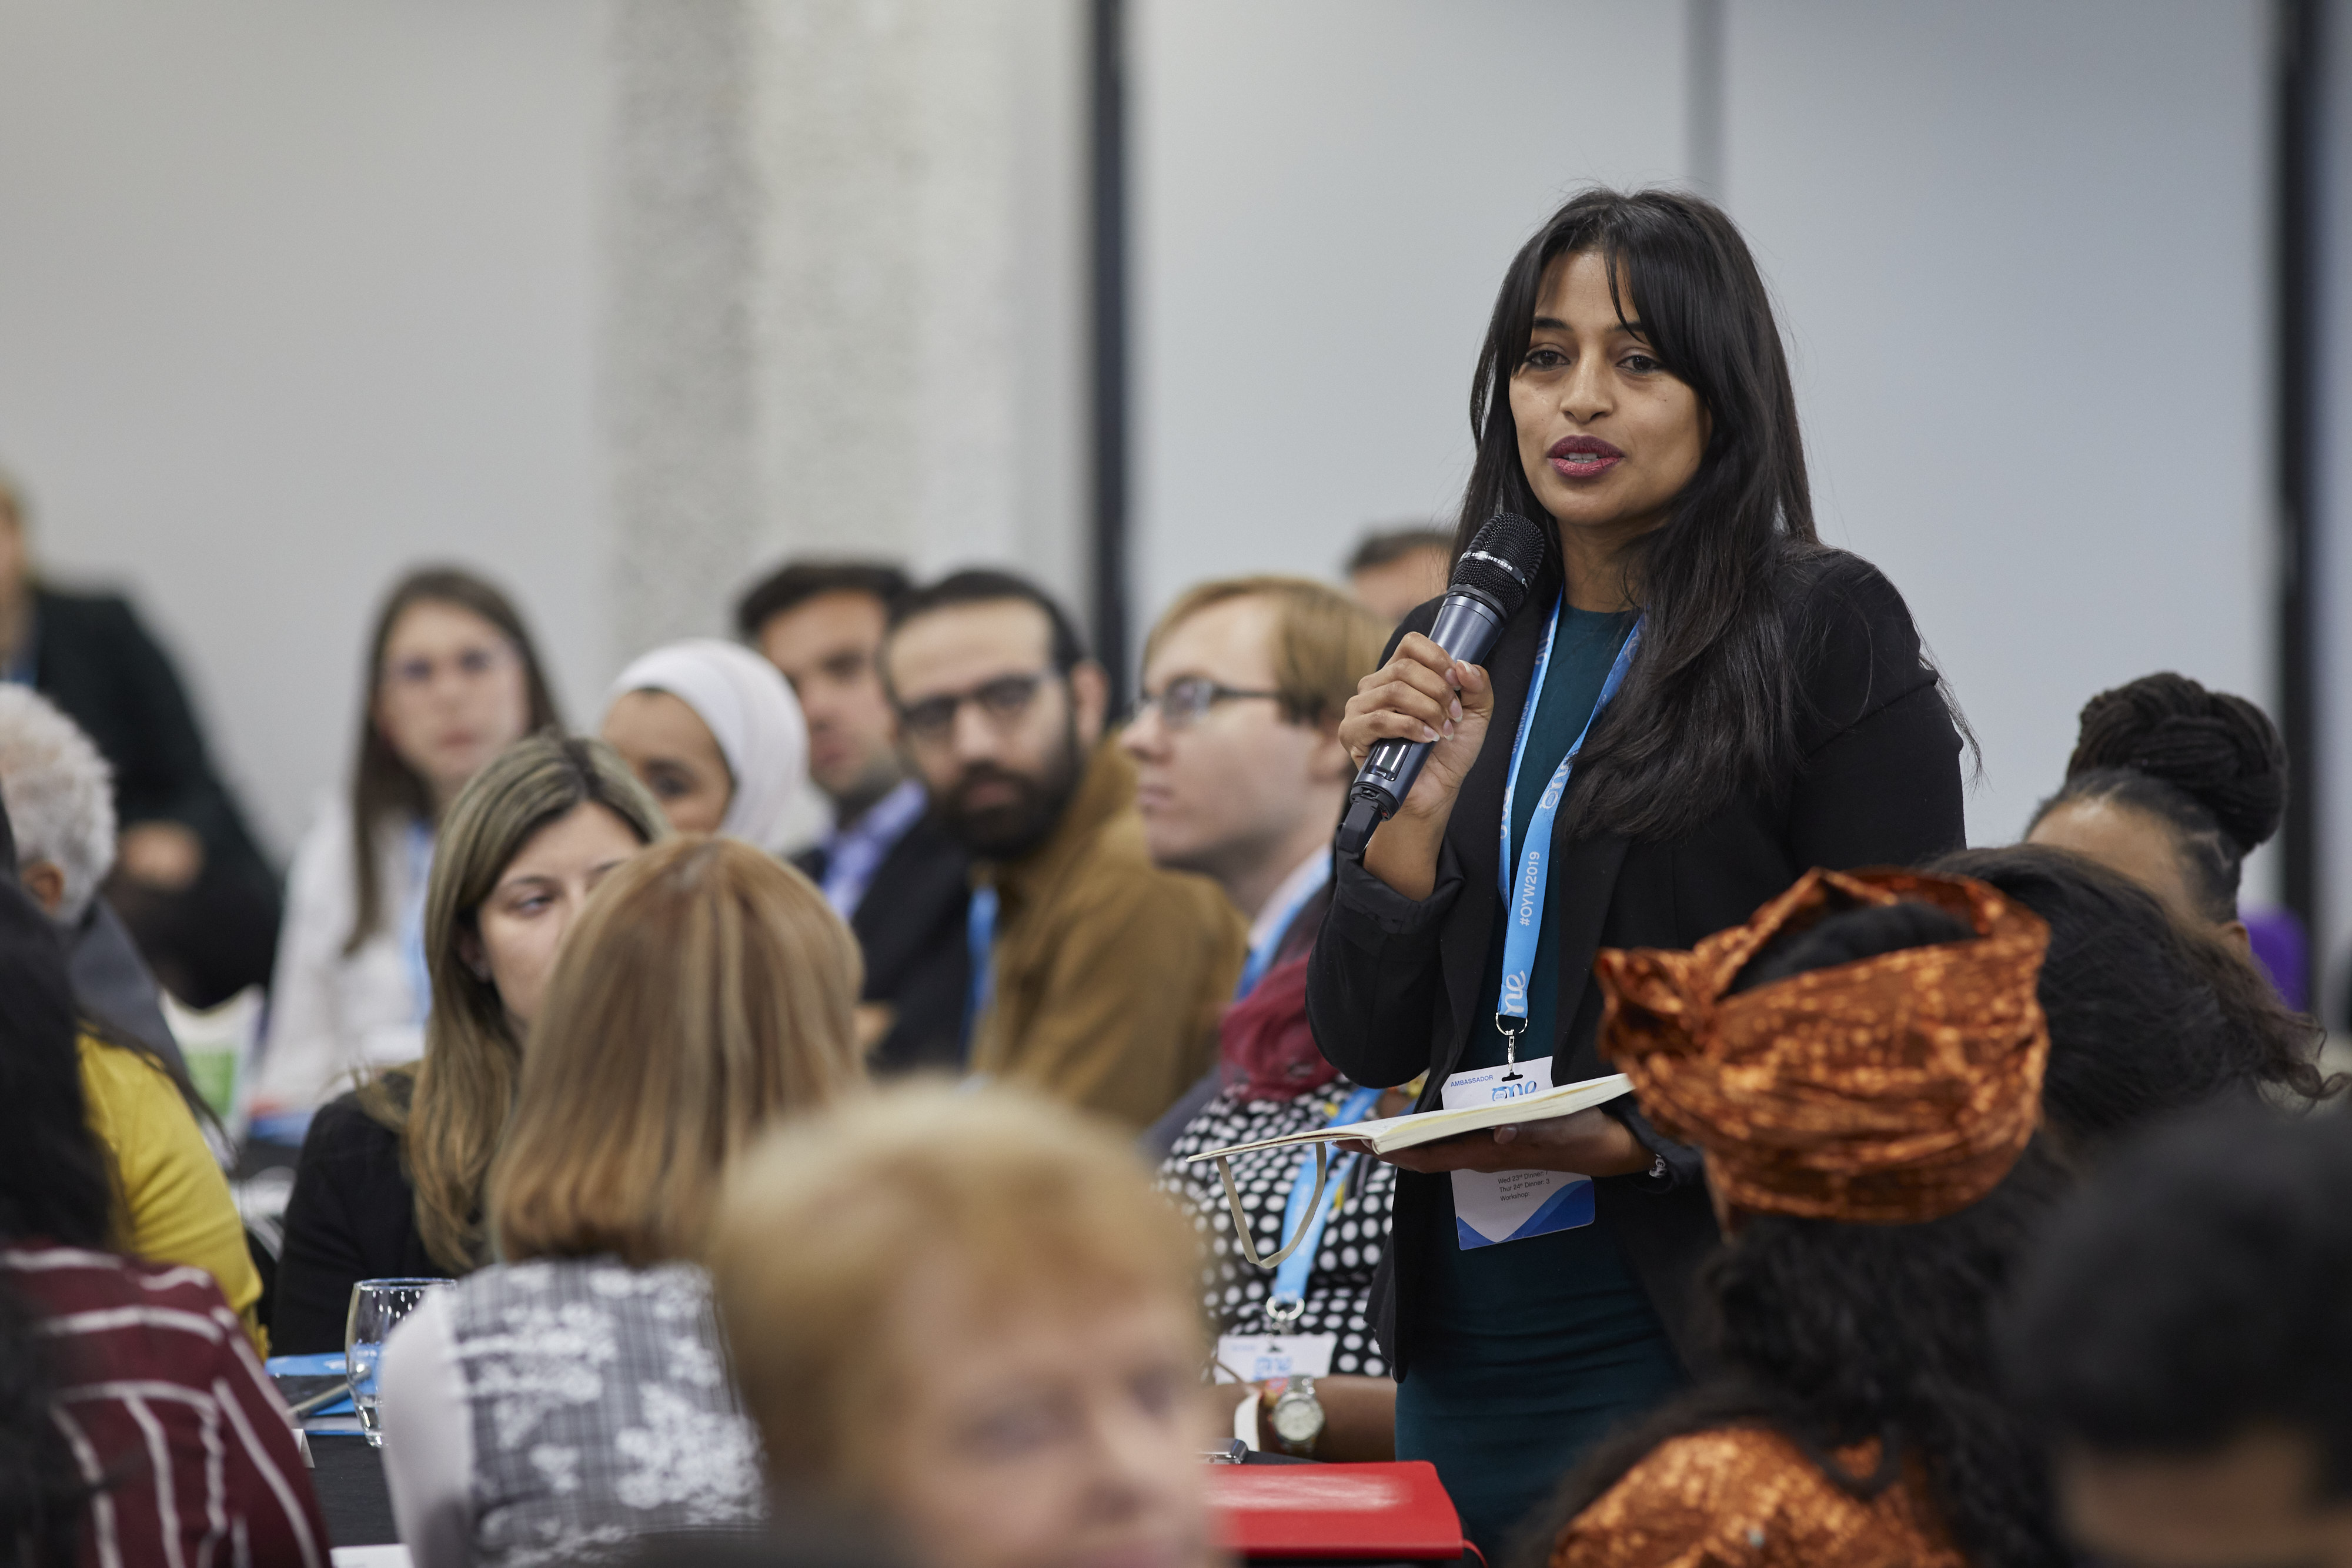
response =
{"points": [[1421, 694]]}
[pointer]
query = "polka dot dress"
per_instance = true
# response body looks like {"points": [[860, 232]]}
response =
{"points": [[1339, 1289]]}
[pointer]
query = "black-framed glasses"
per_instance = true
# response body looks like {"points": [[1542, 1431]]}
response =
{"points": [[1187, 702], [1003, 700]]}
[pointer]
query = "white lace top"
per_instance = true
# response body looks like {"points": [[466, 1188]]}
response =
{"points": [[554, 1411]]}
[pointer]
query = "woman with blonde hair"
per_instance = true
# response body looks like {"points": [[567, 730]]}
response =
{"points": [[574, 1396], [968, 1316], [389, 1181]]}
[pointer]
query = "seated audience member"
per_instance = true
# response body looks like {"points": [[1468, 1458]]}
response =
{"points": [[389, 1185], [1392, 573], [2149, 1016], [136, 1425], [1241, 778], [821, 624], [715, 733], [188, 878], [172, 1203], [969, 1317], [452, 681], [1105, 975], [1860, 1066], [2183, 1339], [60, 796], [706, 993], [2173, 786]]}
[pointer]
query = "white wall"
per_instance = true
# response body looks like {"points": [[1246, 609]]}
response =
{"points": [[1326, 193], [2018, 251], [293, 294]]}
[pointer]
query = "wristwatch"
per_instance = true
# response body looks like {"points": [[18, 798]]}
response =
{"points": [[1295, 1416]]}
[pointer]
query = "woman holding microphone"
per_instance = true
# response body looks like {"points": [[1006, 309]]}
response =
{"points": [[1697, 703]]}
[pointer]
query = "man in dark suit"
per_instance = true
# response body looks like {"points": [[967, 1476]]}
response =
{"points": [[887, 867], [189, 880]]}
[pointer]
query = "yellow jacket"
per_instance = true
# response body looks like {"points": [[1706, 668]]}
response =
{"points": [[174, 1203]]}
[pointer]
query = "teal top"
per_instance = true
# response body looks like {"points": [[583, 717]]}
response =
{"points": [[1581, 652], [1540, 1346]]}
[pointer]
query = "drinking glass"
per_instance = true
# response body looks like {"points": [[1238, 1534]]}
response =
{"points": [[376, 1306]]}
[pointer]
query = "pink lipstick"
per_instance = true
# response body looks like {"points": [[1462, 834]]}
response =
{"points": [[1583, 456]]}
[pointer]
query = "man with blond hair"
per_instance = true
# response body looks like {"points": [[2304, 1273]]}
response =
{"points": [[1241, 774]]}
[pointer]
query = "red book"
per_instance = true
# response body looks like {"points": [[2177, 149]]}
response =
{"points": [[1392, 1512]]}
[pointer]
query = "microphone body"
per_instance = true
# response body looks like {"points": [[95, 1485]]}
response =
{"points": [[1490, 583]]}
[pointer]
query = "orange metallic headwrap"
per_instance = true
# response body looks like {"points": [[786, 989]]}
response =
{"points": [[1885, 1091]]}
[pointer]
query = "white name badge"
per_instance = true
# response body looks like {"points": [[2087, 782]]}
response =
{"points": [[1491, 1207], [1255, 1357]]}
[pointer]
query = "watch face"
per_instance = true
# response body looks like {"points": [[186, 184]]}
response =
{"points": [[1296, 1418]]}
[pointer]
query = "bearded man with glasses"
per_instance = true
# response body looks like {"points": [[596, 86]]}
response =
{"points": [[1098, 976]]}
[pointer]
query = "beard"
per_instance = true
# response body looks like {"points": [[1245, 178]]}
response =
{"points": [[1011, 827]]}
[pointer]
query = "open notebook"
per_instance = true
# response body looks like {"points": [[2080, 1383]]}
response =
{"points": [[1388, 1134]]}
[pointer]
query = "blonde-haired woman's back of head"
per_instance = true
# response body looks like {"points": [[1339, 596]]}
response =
{"points": [[1016, 1208], [706, 991]]}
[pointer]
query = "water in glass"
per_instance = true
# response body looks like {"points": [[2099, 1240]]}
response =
{"points": [[376, 1306]]}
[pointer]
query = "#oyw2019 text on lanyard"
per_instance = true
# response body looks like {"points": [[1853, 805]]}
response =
{"points": [[1524, 893], [1494, 1207]]}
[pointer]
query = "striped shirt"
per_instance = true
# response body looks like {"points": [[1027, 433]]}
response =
{"points": [[165, 1407]]}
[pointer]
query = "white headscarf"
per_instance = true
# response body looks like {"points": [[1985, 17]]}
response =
{"points": [[750, 711]]}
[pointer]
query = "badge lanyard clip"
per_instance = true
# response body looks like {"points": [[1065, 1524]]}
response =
{"points": [[1524, 893]]}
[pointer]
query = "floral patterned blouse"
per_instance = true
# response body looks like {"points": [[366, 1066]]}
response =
{"points": [[554, 1411], [1339, 1287]]}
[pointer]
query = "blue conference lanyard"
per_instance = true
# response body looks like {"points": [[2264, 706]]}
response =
{"points": [[980, 938], [1525, 893], [1261, 958], [1303, 1218]]}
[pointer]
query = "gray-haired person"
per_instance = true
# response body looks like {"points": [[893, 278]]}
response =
{"points": [[60, 797]]}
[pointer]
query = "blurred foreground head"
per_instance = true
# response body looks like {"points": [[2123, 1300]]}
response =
{"points": [[2185, 1342], [969, 1314]]}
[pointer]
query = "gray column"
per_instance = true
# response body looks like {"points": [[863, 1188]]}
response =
{"points": [[847, 294]]}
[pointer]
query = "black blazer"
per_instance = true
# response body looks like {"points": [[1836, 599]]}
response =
{"points": [[910, 926], [352, 1216], [1391, 990]]}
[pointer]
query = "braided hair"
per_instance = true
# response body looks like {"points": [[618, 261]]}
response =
{"points": [[2211, 767]]}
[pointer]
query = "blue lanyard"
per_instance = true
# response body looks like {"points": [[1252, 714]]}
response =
{"points": [[1305, 1228], [1261, 958], [979, 936], [1525, 893]]}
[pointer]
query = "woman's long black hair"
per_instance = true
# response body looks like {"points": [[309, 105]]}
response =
{"points": [[2149, 1015], [55, 1186], [1710, 704], [1833, 1334]]}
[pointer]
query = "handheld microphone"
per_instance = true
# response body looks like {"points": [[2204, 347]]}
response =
{"points": [[1490, 582]]}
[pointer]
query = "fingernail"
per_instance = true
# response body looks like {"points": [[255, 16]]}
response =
{"points": [[1427, 733], [1449, 726], [1457, 707]]}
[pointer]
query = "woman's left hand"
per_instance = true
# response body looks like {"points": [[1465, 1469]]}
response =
{"points": [[1589, 1143]]}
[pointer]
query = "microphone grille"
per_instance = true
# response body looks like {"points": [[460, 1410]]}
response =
{"points": [[1502, 560]]}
